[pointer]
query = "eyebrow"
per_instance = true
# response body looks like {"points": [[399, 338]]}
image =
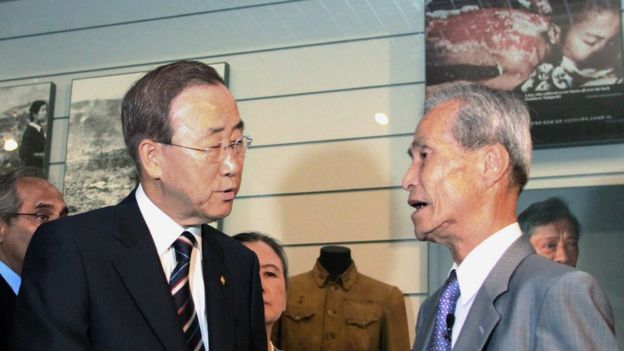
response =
{"points": [[48, 207], [415, 144], [239, 126], [270, 265]]}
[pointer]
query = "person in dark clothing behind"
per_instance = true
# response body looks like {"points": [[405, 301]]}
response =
{"points": [[32, 147]]}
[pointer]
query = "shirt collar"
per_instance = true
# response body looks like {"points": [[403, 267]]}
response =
{"points": [[36, 126], [475, 268], [163, 228], [346, 279], [12, 278]]}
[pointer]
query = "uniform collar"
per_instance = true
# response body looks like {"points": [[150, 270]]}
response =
{"points": [[346, 279]]}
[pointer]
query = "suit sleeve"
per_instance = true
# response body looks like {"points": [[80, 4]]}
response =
{"points": [[575, 315], [395, 330], [51, 309]]}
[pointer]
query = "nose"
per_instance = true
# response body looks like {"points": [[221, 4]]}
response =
{"points": [[230, 164], [561, 255], [410, 179]]}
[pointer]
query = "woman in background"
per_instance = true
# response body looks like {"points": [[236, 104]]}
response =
{"points": [[273, 274]]}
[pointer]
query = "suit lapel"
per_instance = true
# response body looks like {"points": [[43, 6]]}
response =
{"points": [[140, 269], [483, 316], [219, 304], [425, 332]]}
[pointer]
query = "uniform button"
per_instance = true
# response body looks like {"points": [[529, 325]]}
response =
{"points": [[332, 288], [331, 312], [330, 335]]}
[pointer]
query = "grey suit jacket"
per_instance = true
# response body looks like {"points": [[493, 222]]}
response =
{"points": [[530, 303]]}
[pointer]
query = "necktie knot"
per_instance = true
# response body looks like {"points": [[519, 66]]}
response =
{"points": [[183, 246]]}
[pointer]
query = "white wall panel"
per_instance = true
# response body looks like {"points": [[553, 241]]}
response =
{"points": [[212, 33], [56, 173], [403, 264], [317, 218], [335, 115], [328, 67], [59, 132], [352, 164], [43, 16]]}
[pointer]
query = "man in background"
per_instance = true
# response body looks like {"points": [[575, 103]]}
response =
{"points": [[27, 200], [471, 156], [149, 273], [552, 230]]}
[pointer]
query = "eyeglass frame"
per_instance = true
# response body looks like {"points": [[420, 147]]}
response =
{"points": [[37, 216], [244, 140]]}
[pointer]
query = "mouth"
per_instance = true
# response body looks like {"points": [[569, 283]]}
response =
{"points": [[229, 193], [418, 205]]}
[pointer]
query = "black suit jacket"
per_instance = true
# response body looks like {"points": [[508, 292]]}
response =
{"points": [[7, 304], [94, 281], [32, 141]]}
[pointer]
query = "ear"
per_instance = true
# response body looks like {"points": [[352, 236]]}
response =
{"points": [[150, 153], [4, 227], [496, 162]]}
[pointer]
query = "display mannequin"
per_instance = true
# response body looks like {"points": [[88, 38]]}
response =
{"points": [[336, 260], [333, 307]]}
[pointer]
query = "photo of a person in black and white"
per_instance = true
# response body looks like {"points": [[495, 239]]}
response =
{"points": [[32, 147]]}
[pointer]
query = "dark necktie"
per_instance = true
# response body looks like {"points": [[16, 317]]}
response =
{"points": [[181, 291], [442, 330]]}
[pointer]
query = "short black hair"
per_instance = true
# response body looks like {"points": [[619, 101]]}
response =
{"points": [[35, 107], [145, 107], [546, 212], [249, 237]]}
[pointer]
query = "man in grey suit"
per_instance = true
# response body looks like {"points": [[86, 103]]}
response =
{"points": [[471, 156]]}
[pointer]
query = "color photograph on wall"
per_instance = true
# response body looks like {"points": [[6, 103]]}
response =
{"points": [[563, 58], [25, 125], [99, 172]]}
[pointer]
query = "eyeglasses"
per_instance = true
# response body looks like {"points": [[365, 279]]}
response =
{"points": [[217, 153], [39, 217]]}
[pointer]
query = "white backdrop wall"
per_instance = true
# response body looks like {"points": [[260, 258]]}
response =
{"points": [[309, 76]]}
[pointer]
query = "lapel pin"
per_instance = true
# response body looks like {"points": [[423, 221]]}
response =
{"points": [[222, 280]]}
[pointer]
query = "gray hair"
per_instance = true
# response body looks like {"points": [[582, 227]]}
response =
{"points": [[487, 117], [9, 200]]}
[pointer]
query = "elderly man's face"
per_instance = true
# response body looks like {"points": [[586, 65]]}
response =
{"points": [[556, 241], [442, 179], [40, 202], [195, 188]]}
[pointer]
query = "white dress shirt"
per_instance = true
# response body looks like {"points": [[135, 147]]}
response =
{"points": [[164, 232], [475, 268]]}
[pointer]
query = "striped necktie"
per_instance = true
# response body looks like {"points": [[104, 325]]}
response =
{"points": [[181, 292], [442, 330]]}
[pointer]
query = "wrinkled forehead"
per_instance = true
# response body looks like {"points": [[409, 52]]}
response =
{"points": [[34, 191], [438, 120]]}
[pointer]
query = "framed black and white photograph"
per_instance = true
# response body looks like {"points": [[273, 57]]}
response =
{"points": [[564, 58], [99, 170], [25, 125]]}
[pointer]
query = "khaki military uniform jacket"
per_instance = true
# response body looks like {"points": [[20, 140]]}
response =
{"points": [[353, 313]]}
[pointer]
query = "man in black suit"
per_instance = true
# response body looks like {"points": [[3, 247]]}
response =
{"points": [[111, 279], [26, 201]]}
